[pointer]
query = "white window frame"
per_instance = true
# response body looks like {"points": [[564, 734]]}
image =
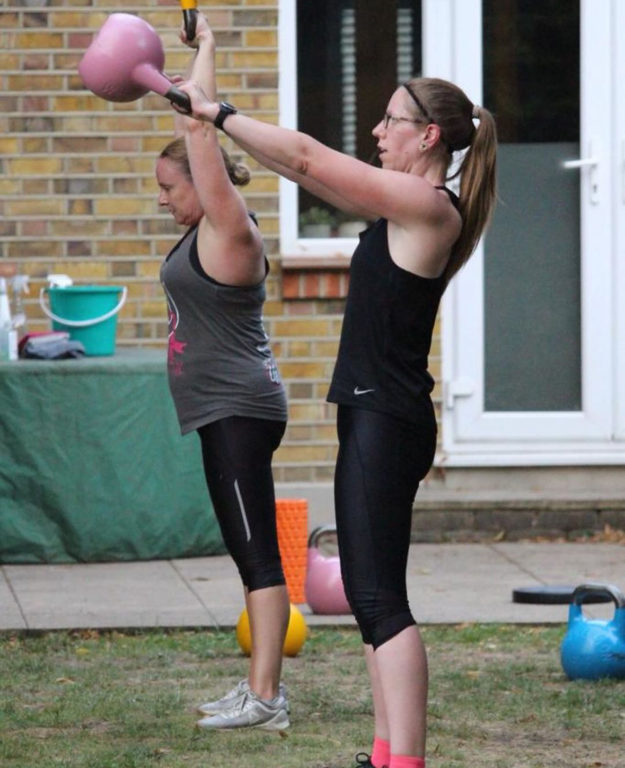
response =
{"points": [[294, 248]]}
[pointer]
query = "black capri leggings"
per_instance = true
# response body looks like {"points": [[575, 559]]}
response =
{"points": [[237, 455], [380, 462]]}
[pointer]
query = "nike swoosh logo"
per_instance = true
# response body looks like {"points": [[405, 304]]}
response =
{"points": [[358, 391]]}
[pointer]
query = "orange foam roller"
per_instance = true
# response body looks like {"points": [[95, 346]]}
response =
{"points": [[292, 523]]}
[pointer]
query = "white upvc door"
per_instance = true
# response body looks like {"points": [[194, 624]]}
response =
{"points": [[619, 251], [492, 415]]}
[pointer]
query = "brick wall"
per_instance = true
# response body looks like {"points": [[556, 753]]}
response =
{"points": [[78, 194]]}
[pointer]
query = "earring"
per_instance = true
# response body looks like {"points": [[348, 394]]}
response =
{"points": [[423, 146]]}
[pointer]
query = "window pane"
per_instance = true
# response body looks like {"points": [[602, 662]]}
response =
{"points": [[351, 56], [532, 251]]}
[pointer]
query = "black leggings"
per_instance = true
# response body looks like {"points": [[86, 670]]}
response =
{"points": [[380, 462], [237, 455]]}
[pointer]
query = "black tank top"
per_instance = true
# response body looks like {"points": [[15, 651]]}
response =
{"points": [[382, 363]]}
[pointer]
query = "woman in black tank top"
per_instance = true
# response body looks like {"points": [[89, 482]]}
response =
{"points": [[421, 236]]}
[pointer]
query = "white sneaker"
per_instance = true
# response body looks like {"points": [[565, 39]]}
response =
{"points": [[249, 711], [231, 698]]}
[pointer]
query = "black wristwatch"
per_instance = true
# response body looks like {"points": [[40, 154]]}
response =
{"points": [[225, 109]]}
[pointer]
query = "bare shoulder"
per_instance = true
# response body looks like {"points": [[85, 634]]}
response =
{"points": [[422, 245], [234, 256]]}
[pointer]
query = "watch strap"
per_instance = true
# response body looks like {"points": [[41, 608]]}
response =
{"points": [[225, 110]]}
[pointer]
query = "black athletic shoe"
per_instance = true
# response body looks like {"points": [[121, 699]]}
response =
{"points": [[363, 760]]}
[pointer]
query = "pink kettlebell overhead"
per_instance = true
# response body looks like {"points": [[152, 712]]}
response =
{"points": [[125, 60]]}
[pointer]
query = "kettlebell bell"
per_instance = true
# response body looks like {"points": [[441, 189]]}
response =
{"points": [[592, 649], [324, 585]]}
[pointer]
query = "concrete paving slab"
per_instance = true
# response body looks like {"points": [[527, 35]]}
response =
{"points": [[129, 594], [457, 583], [568, 564], [447, 583], [10, 614], [216, 582]]}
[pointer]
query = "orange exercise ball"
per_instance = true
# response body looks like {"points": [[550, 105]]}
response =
{"points": [[295, 634]]}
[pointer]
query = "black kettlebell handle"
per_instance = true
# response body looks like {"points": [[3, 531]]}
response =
{"points": [[189, 16], [607, 590], [318, 532], [179, 98]]}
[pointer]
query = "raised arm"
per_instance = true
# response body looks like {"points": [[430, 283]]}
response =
{"points": [[353, 185], [229, 244]]}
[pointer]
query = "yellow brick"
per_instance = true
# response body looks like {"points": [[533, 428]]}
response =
{"points": [[9, 186], [154, 309], [135, 291], [75, 20], [253, 60], [9, 145], [77, 164], [34, 207], [84, 272], [303, 453], [123, 248], [127, 206], [9, 60], [149, 269], [229, 81], [34, 145], [325, 348], [26, 249], [263, 184], [82, 102], [28, 166], [299, 348], [80, 207], [82, 228], [266, 101], [36, 39], [148, 186], [124, 164], [306, 412], [261, 38], [291, 326], [163, 123], [9, 20]]}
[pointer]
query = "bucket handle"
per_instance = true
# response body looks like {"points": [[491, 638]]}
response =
{"points": [[82, 323]]}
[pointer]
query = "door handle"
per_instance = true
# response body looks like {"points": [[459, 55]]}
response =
{"points": [[581, 163], [592, 163], [461, 387]]}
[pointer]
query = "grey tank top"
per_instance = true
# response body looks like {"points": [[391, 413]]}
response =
{"points": [[219, 361]]}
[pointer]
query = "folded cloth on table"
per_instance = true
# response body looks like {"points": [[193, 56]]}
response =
{"points": [[53, 350]]}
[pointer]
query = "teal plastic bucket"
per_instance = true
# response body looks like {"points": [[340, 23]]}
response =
{"points": [[87, 312]]}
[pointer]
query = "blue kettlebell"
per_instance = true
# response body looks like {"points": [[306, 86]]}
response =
{"points": [[592, 649]]}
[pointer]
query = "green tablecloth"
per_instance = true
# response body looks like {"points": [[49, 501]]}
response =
{"points": [[93, 466]]}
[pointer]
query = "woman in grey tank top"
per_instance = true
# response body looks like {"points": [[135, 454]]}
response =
{"points": [[225, 384]]}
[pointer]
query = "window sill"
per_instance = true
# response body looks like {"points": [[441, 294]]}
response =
{"points": [[314, 277]]}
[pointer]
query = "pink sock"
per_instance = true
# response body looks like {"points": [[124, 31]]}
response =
{"points": [[381, 753], [405, 761]]}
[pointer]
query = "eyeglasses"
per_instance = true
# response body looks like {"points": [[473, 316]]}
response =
{"points": [[389, 119]]}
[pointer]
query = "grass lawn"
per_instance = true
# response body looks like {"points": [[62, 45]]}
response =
{"points": [[498, 699]]}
